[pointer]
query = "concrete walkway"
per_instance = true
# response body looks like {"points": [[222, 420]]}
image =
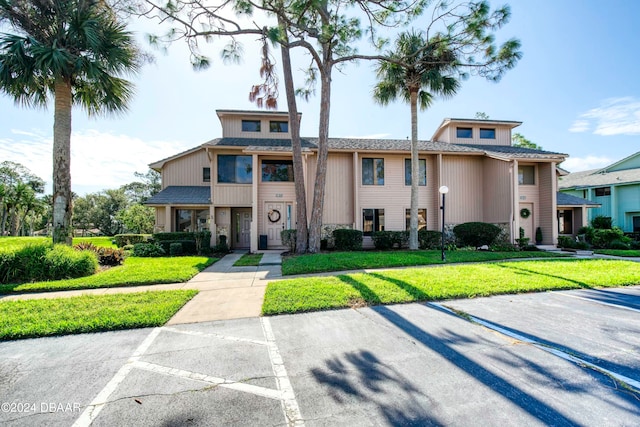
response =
{"points": [[226, 292]]}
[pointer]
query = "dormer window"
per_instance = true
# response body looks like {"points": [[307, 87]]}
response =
{"points": [[487, 133], [251, 126], [278, 127], [464, 132]]}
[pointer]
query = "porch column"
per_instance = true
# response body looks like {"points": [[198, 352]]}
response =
{"points": [[168, 223], [554, 207], [357, 217], [614, 207], [255, 209]]}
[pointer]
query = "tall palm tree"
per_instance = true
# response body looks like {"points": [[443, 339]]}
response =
{"points": [[418, 70], [73, 51]]}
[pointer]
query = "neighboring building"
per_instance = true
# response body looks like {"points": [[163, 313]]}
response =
{"points": [[615, 189], [241, 185]]}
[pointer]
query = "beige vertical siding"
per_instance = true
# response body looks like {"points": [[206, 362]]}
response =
{"points": [[160, 217], [232, 127], [338, 201], [496, 191], [236, 195], [310, 181], [186, 170], [503, 135], [547, 207], [464, 177], [280, 192]]}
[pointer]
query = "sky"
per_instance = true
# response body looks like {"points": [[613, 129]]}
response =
{"points": [[576, 91]]}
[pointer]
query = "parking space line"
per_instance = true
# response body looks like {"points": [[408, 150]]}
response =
{"points": [[557, 352], [195, 376], [213, 335], [91, 412], [623, 307], [290, 406]]}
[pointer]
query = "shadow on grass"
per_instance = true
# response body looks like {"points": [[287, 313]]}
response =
{"points": [[516, 268]]}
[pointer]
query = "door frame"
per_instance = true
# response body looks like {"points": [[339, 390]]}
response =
{"points": [[234, 224]]}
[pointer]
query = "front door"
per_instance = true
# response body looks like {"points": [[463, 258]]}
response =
{"points": [[241, 236], [275, 218], [527, 223]]}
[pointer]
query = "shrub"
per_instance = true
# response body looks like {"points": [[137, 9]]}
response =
{"points": [[347, 239], [289, 239], [566, 242], [602, 223], [324, 244], [476, 233], [175, 248], [428, 239], [522, 242], [602, 238], [221, 247], [385, 240], [85, 246], [192, 242], [504, 247], [538, 236], [147, 250], [178, 235], [25, 264], [110, 256], [618, 244], [62, 262], [129, 239], [587, 232]]}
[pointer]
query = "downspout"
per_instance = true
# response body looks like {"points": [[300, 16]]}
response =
{"points": [[515, 200], [438, 186], [356, 193]]}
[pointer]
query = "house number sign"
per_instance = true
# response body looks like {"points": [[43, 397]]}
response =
{"points": [[279, 195]]}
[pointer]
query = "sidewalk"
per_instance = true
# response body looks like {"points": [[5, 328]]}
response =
{"points": [[226, 292]]}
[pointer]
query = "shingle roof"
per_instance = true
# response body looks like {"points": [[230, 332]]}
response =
{"points": [[594, 178], [517, 152], [182, 195], [564, 199]]}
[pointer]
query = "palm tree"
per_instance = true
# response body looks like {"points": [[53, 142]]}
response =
{"points": [[417, 72], [74, 52]]}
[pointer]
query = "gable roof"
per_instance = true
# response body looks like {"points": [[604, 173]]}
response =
{"points": [[159, 164], [629, 162], [564, 199], [597, 178], [182, 195], [447, 121]]}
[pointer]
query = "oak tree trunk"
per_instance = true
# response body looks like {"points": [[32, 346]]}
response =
{"points": [[415, 171], [62, 208]]}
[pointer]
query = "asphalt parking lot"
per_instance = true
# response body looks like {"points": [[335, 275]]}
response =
{"points": [[561, 358]]}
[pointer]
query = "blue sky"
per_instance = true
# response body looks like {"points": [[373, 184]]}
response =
{"points": [[576, 90]]}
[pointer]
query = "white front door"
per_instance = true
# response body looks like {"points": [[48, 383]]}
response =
{"points": [[527, 223], [275, 218]]}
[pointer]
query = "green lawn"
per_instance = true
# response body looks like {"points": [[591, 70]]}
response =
{"points": [[134, 272], [12, 243], [248, 260], [444, 282], [89, 313], [339, 261], [617, 252]]}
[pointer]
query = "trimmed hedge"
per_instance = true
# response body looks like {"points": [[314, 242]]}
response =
{"points": [[193, 243], [385, 240], [147, 250], [289, 239], [42, 262], [188, 246], [429, 239], [121, 240], [476, 233], [347, 239]]}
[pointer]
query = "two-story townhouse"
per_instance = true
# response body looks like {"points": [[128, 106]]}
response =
{"points": [[241, 185]]}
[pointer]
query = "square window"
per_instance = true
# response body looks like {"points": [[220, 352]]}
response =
{"points": [[527, 175], [422, 165], [251, 126], [235, 169], [464, 132], [278, 127], [372, 171], [277, 170], [486, 133], [422, 219], [372, 220], [603, 191], [206, 174]]}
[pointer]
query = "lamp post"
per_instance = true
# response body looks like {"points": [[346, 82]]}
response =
{"points": [[443, 190]]}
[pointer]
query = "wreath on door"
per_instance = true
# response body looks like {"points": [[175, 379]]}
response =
{"points": [[525, 213], [274, 215]]}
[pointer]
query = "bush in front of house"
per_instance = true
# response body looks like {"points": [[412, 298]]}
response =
{"points": [[476, 233], [289, 239], [144, 250], [602, 222], [222, 247], [175, 248], [385, 240], [605, 238], [429, 239], [41, 262], [188, 246], [347, 239], [193, 243], [121, 240], [106, 256]]}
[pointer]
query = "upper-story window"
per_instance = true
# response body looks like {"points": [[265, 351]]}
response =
{"points": [[234, 169], [527, 175], [372, 171], [206, 174], [277, 171], [280, 127], [464, 132], [422, 174], [487, 133], [603, 191], [251, 126]]}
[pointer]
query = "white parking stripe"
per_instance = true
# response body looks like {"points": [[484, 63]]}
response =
{"points": [[623, 307], [290, 406], [91, 412], [557, 352], [195, 376], [213, 335]]}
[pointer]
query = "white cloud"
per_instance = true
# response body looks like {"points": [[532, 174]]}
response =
{"points": [[577, 164], [98, 160], [615, 116]]}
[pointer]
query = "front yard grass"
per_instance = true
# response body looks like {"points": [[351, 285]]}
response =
{"points": [[248, 260], [618, 252], [134, 272], [338, 261], [89, 313], [444, 282]]}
